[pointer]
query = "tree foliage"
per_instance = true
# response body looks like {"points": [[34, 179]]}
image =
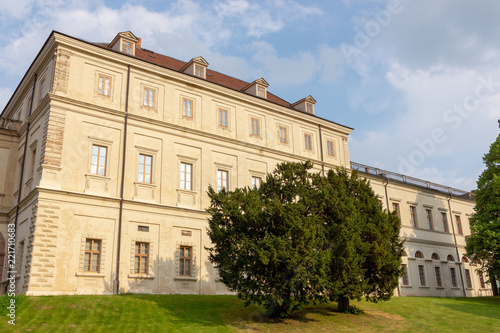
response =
{"points": [[484, 242], [302, 238]]}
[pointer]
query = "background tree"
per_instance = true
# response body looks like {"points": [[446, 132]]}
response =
{"points": [[363, 240], [265, 241], [484, 242]]}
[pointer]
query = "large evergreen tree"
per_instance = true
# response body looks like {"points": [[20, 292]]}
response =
{"points": [[304, 238], [484, 242]]}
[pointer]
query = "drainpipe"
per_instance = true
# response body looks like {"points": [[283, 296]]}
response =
{"points": [[321, 151], [120, 213], [456, 246]]}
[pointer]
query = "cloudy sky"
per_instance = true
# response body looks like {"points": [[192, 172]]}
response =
{"points": [[419, 81]]}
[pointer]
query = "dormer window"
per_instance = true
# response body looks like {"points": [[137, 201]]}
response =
{"points": [[261, 91], [126, 47], [305, 105], [257, 88], [196, 66], [199, 71]]}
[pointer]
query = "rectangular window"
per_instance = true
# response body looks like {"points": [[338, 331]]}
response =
{"points": [[255, 126], [329, 148], [453, 277], [468, 279], [429, 219], [141, 258], [143, 228], [222, 179], [92, 255], [199, 71], [99, 156], [459, 225], [395, 208], [445, 222], [421, 275], [307, 141], [481, 280], [33, 162], [186, 182], [261, 91], [413, 216], [149, 98], [406, 281], [439, 282], [185, 260], [309, 108], [283, 134], [126, 47], [28, 110], [256, 181], [104, 85], [145, 168], [42, 84], [187, 108], [223, 118]]}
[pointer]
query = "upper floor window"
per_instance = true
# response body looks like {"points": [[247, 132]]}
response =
{"points": [[127, 47], [223, 118], [98, 163], [187, 108], [395, 208], [453, 274], [256, 181], [307, 142], [468, 279], [104, 85], [92, 258], [255, 127], [283, 134], [185, 260], [42, 86], [222, 179], [33, 162], [413, 216], [309, 108], [435, 256], [186, 177], [329, 148], [261, 91], [421, 275], [145, 168], [439, 282], [419, 255], [459, 225], [149, 97], [445, 222], [429, 219], [450, 258], [199, 71], [141, 258]]}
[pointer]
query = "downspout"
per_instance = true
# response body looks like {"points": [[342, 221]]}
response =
{"points": [[321, 151], [24, 156], [120, 213], [456, 247]]}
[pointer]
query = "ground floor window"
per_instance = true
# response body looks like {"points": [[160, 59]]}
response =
{"points": [[185, 260], [92, 255]]}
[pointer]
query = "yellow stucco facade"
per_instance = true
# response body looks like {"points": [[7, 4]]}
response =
{"points": [[117, 150]]}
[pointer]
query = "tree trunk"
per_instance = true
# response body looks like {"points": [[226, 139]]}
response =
{"points": [[343, 304]]}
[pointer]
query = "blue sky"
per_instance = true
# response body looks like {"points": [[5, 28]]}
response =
{"points": [[419, 81]]}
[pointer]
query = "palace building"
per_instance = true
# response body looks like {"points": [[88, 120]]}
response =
{"points": [[107, 151]]}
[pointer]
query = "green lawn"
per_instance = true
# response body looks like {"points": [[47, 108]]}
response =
{"points": [[179, 313]]}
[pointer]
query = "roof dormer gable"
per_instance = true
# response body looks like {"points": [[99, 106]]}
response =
{"points": [[305, 105], [197, 67], [125, 42], [257, 88]]}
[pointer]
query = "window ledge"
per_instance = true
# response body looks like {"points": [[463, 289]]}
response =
{"points": [[440, 288], [98, 275], [406, 286], [145, 184], [91, 175], [140, 276], [455, 288], [186, 278], [424, 287], [186, 191]]}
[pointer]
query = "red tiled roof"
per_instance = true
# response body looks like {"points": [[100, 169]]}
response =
{"points": [[212, 76]]}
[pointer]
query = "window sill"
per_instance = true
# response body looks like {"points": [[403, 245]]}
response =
{"points": [[186, 278], [97, 275], [91, 175], [406, 286], [141, 276], [440, 288], [427, 287], [186, 191]]}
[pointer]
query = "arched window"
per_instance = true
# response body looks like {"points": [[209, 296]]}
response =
{"points": [[464, 259], [450, 258], [435, 256], [419, 254]]}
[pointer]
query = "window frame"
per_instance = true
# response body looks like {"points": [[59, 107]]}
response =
{"points": [[140, 255], [221, 179], [468, 279], [309, 108], [261, 91], [421, 276], [444, 219], [91, 252], [413, 216], [183, 186], [126, 48], [458, 220], [255, 180], [146, 97], [437, 273], [199, 71], [99, 146], [330, 148], [396, 208], [308, 142], [183, 258], [482, 285], [405, 281], [42, 84], [144, 174], [283, 134], [186, 113], [255, 127], [430, 223], [104, 77], [223, 118]]}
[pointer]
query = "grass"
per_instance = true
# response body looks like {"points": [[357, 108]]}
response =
{"points": [[183, 313]]}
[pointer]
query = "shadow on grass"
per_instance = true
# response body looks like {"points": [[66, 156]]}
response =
{"points": [[488, 307]]}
